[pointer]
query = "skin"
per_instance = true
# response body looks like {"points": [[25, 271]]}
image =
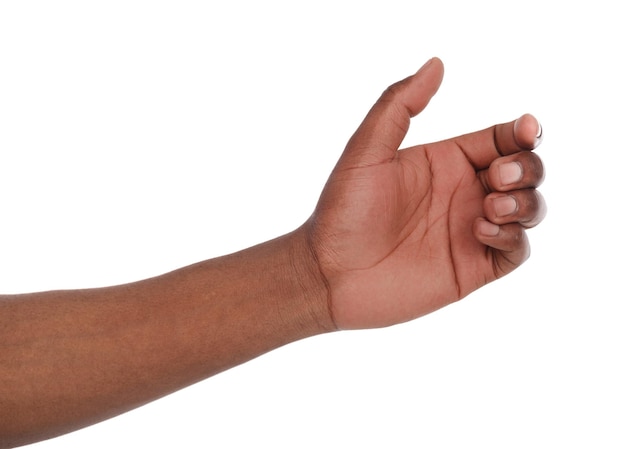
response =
{"points": [[399, 234], [396, 234]]}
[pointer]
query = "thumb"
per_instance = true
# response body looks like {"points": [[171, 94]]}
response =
{"points": [[377, 139]]}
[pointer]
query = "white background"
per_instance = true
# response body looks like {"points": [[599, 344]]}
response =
{"points": [[140, 136]]}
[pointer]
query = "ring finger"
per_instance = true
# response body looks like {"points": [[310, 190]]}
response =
{"points": [[525, 206]]}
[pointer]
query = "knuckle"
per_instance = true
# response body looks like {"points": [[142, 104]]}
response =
{"points": [[533, 168], [536, 209], [394, 90]]}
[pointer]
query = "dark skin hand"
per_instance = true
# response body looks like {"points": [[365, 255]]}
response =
{"points": [[396, 234], [399, 234]]}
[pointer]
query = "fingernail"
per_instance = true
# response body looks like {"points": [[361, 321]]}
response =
{"points": [[504, 205], [510, 173], [539, 135], [488, 229]]}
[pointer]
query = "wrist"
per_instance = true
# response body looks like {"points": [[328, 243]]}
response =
{"points": [[309, 286]]}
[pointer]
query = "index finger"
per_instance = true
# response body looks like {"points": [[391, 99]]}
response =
{"points": [[482, 147]]}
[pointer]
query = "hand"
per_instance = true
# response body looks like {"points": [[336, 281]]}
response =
{"points": [[398, 234]]}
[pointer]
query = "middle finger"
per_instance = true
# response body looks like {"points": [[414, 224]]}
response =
{"points": [[520, 170]]}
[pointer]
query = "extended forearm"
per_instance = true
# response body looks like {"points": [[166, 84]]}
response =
{"points": [[72, 358]]}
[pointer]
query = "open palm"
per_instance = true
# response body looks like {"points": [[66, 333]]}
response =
{"points": [[398, 234]]}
